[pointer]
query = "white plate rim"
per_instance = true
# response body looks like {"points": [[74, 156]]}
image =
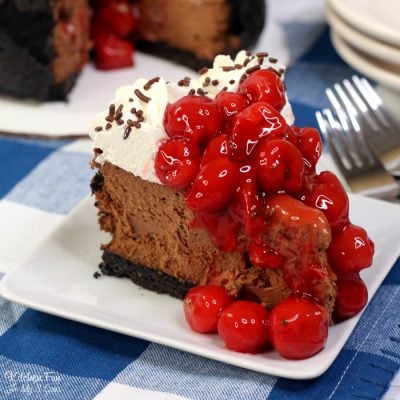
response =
{"points": [[369, 26], [360, 41], [260, 363], [367, 66]]}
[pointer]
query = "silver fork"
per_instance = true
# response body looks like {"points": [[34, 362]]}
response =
{"points": [[359, 103], [360, 167]]}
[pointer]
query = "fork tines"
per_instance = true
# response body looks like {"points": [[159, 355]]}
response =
{"points": [[356, 103], [356, 161]]}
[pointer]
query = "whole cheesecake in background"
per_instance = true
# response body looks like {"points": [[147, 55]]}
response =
{"points": [[207, 181], [44, 44]]}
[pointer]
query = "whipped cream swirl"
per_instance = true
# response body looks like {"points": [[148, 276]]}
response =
{"points": [[129, 132]]}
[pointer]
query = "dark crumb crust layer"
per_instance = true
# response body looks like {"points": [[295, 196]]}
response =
{"points": [[25, 57], [147, 278]]}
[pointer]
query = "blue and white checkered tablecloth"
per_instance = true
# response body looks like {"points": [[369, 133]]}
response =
{"points": [[42, 180]]}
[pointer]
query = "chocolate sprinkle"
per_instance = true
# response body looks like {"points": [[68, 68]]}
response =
{"points": [[142, 96], [242, 78], [262, 54], [118, 112], [111, 109], [203, 71], [98, 128], [130, 99], [192, 92], [215, 82], [184, 82], [133, 110], [108, 126], [111, 113], [238, 66], [246, 61], [252, 69], [200, 92], [273, 60], [232, 81], [228, 68], [97, 274], [207, 81], [120, 121], [127, 132], [149, 83], [97, 151]]}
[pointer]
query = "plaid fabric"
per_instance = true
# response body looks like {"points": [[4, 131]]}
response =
{"points": [[46, 357]]}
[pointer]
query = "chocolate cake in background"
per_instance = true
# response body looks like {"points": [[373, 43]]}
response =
{"points": [[43, 46], [45, 43]]}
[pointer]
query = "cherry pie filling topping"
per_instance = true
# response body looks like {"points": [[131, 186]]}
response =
{"points": [[238, 163]]}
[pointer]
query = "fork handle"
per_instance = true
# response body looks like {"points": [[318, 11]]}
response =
{"points": [[376, 185]]}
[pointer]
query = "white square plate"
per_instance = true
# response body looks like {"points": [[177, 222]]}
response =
{"points": [[58, 279]]}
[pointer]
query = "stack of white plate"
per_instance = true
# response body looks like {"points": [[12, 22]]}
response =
{"points": [[366, 33]]}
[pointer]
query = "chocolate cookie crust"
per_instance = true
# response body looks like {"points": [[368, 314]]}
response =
{"points": [[39, 58], [147, 278]]}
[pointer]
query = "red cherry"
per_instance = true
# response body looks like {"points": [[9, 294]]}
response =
{"points": [[214, 186], [99, 31], [259, 120], [352, 296], [263, 256], [221, 227], [113, 52], [231, 103], [203, 306], [307, 278], [195, 117], [328, 178], [121, 18], [264, 85], [243, 327], [351, 250], [280, 166], [177, 163], [246, 205], [118, 16], [328, 195], [310, 146], [218, 147], [298, 328]]}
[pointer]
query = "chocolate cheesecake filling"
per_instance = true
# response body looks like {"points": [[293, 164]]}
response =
{"points": [[152, 238], [192, 33]]}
